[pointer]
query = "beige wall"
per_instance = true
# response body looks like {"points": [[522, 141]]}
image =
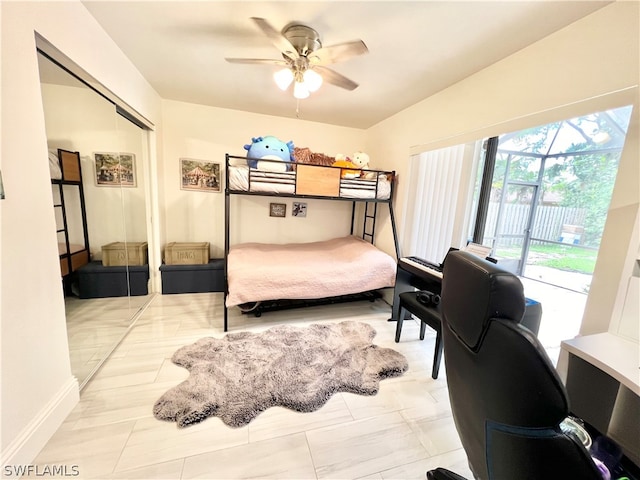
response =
{"points": [[588, 66], [37, 387], [205, 133]]}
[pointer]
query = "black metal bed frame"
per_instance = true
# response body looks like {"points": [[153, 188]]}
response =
{"points": [[61, 183], [368, 233]]}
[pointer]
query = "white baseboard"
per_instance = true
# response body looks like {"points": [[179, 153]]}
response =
{"points": [[26, 446]]}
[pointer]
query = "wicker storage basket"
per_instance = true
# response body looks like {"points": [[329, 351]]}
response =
{"points": [[117, 254], [186, 253]]}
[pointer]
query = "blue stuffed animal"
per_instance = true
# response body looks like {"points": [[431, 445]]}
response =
{"points": [[269, 148]]}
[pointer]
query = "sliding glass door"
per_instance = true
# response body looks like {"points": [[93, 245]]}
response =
{"points": [[549, 192], [513, 226]]}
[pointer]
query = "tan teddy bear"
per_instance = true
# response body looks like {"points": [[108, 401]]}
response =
{"points": [[361, 160]]}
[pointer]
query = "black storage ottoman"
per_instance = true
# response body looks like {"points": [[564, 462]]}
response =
{"points": [[532, 315], [97, 281], [208, 277]]}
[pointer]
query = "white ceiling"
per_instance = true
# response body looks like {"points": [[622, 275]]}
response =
{"points": [[416, 49]]}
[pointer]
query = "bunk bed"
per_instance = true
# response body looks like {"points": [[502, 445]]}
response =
{"points": [[261, 277], [66, 174]]}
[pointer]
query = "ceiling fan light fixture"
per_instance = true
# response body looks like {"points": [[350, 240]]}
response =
{"points": [[300, 90], [312, 80], [283, 78], [303, 56]]}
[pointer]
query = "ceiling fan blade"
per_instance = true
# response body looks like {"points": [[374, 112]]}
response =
{"points": [[277, 38], [257, 61], [338, 53], [335, 78]]}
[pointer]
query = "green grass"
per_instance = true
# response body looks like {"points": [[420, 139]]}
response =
{"points": [[561, 257]]}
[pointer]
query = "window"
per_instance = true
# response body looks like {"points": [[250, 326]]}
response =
{"points": [[549, 194]]}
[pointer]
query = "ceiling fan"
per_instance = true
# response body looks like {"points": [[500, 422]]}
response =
{"points": [[304, 58]]}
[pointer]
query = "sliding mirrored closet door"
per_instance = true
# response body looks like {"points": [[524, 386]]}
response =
{"points": [[101, 210]]}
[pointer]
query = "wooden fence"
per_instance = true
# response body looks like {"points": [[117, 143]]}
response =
{"points": [[548, 223]]}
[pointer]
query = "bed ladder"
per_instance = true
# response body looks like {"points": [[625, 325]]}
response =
{"points": [[366, 235], [368, 227], [369, 224]]}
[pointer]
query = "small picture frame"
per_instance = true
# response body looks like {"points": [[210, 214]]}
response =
{"points": [[199, 175], [115, 169], [277, 209], [299, 209]]}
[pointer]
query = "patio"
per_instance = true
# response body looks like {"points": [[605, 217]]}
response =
{"points": [[562, 308]]}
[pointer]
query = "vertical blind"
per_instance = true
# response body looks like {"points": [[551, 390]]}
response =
{"points": [[431, 202]]}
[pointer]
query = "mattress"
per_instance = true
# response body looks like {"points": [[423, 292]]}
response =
{"points": [[244, 179], [340, 266], [54, 165]]}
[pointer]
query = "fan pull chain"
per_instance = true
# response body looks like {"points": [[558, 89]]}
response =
{"points": [[297, 108]]}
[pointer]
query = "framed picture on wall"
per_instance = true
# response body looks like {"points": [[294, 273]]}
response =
{"points": [[299, 209], [277, 209], [115, 169], [199, 175]]}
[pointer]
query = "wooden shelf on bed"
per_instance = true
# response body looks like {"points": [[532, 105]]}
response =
{"points": [[75, 260], [321, 181]]}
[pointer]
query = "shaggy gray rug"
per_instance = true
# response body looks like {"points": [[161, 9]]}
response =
{"points": [[239, 376]]}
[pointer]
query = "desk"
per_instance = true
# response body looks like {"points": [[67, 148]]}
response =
{"points": [[602, 376]]}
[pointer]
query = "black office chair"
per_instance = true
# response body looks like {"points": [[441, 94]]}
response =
{"points": [[506, 397]]}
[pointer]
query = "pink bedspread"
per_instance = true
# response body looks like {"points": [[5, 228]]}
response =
{"points": [[340, 266]]}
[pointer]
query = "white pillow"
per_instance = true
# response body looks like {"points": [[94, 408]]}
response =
{"points": [[54, 165]]}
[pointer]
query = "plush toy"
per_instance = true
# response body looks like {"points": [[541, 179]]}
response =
{"points": [[361, 160], [269, 148], [349, 169]]}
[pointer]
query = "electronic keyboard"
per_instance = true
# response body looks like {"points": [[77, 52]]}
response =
{"points": [[423, 265]]}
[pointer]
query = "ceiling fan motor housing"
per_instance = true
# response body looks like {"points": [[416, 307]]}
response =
{"points": [[304, 39]]}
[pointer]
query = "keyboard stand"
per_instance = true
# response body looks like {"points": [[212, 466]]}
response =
{"points": [[408, 278]]}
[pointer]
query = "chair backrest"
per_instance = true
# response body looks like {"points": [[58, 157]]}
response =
{"points": [[506, 397]]}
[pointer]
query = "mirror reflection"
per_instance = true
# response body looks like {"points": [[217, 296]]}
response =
{"points": [[95, 158]]}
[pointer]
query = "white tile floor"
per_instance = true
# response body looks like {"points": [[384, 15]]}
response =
{"points": [[95, 326], [400, 433]]}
